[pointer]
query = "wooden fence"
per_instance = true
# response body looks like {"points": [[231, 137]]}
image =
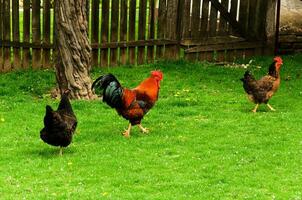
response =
{"points": [[139, 31]]}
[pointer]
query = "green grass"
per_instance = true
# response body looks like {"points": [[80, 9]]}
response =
{"points": [[204, 142]]}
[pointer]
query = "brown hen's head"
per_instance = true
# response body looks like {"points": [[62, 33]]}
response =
{"points": [[278, 62], [157, 74]]}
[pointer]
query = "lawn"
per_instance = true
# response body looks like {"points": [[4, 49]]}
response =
{"points": [[204, 143]]}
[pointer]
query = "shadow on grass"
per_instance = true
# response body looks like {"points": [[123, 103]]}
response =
{"points": [[48, 152]]}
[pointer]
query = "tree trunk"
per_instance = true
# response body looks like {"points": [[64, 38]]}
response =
{"points": [[73, 48]]}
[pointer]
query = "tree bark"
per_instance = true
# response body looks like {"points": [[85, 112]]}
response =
{"points": [[73, 48]]}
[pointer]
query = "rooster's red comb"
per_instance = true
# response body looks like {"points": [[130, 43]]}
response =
{"points": [[157, 73], [278, 59]]}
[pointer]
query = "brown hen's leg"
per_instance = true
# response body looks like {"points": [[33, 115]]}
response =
{"points": [[144, 130], [270, 107], [127, 132], [255, 109]]}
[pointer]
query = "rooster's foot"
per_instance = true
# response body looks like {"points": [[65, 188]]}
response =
{"points": [[144, 130], [127, 132]]}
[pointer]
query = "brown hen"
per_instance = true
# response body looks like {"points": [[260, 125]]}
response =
{"points": [[260, 91]]}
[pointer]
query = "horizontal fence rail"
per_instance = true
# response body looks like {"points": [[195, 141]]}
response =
{"points": [[137, 31]]}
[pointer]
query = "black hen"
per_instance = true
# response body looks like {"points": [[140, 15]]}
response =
{"points": [[60, 125]]}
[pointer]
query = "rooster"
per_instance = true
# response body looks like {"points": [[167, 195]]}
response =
{"points": [[132, 104], [260, 91], [60, 125]]}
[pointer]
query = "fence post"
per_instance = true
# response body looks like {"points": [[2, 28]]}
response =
{"points": [[161, 27], [36, 34], [123, 31], [46, 34], [1, 18], [105, 32], [172, 51], [16, 34], [6, 35], [95, 31], [141, 30], [132, 19], [26, 34], [151, 30], [114, 32], [270, 31]]}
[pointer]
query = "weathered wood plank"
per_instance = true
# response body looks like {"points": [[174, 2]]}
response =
{"points": [[230, 55], [162, 21], [114, 31], [213, 20], [6, 36], [46, 61], [36, 33], [53, 39], [95, 12], [212, 40], [224, 12], [252, 20], [26, 34], [209, 56], [239, 45], [223, 26], [249, 52], [151, 30], [106, 45], [186, 20], [244, 14], [201, 56], [262, 5], [259, 16], [1, 34], [172, 51], [195, 19], [204, 19], [105, 32], [16, 35], [239, 53], [123, 30], [220, 56], [191, 57], [270, 28], [141, 30], [132, 30], [233, 12]]}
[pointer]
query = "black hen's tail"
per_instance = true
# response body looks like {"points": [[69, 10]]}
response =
{"points": [[112, 90], [247, 77], [65, 103]]}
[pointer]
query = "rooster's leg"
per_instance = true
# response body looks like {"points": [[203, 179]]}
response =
{"points": [[144, 130], [127, 132], [255, 109], [270, 107]]}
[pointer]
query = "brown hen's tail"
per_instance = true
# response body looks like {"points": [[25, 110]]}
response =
{"points": [[247, 76]]}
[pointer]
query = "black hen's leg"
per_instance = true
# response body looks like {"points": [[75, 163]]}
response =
{"points": [[61, 151]]}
